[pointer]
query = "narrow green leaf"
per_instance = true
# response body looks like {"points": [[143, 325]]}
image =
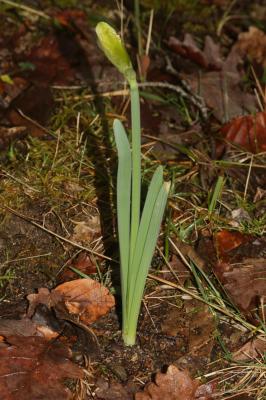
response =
{"points": [[148, 237], [154, 188], [123, 204]]}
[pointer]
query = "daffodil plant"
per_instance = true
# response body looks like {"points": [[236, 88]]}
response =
{"points": [[138, 231]]}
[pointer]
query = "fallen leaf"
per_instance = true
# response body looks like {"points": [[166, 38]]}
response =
{"points": [[226, 241], [86, 298], [83, 263], [174, 323], [209, 58], [44, 296], [246, 283], [32, 368], [222, 90], [251, 350], [52, 63], [253, 45], [174, 385], [111, 391], [201, 329], [86, 231], [248, 131], [32, 109], [24, 327]]}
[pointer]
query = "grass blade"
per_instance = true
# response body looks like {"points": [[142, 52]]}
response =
{"points": [[123, 190]]}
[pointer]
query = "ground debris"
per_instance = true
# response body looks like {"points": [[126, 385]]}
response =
{"points": [[112, 391], [248, 131], [253, 349], [243, 276], [86, 298], [175, 384], [220, 83], [253, 44], [32, 367]]}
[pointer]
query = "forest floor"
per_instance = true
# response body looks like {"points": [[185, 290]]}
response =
{"points": [[202, 328]]}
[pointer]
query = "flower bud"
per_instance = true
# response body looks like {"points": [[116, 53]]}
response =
{"points": [[114, 49]]}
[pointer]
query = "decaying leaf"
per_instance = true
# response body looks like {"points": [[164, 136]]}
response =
{"points": [[244, 278], [83, 262], [248, 132], [209, 58], [86, 231], [44, 296], [253, 44], [251, 350], [227, 241], [86, 298], [26, 327], [32, 368], [174, 385], [246, 283], [201, 329], [112, 391], [220, 86]]}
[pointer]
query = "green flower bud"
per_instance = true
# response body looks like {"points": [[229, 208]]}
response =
{"points": [[114, 49]]}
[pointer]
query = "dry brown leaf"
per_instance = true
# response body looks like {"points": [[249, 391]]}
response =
{"points": [[208, 58], [86, 298], [111, 391], [222, 89], [83, 262], [248, 131], [44, 296], [86, 231], [226, 241], [201, 329], [253, 44], [251, 350], [32, 368], [246, 283], [175, 385]]}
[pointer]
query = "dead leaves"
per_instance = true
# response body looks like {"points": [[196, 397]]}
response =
{"points": [[220, 81], [208, 58], [243, 277], [248, 132], [33, 363], [174, 385], [85, 298], [33, 368], [253, 44]]}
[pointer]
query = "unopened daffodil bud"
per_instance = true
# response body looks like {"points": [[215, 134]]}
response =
{"points": [[114, 49]]}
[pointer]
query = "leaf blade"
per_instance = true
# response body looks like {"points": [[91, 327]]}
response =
{"points": [[123, 190]]}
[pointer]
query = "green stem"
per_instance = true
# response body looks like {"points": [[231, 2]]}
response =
{"points": [[136, 166]]}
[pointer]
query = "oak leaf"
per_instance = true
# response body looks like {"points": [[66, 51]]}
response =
{"points": [[86, 298], [33, 368], [253, 44], [220, 84], [248, 131], [175, 385]]}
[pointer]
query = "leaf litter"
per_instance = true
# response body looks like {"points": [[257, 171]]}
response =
{"points": [[32, 367]]}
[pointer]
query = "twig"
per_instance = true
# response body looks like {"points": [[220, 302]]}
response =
{"points": [[26, 8]]}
